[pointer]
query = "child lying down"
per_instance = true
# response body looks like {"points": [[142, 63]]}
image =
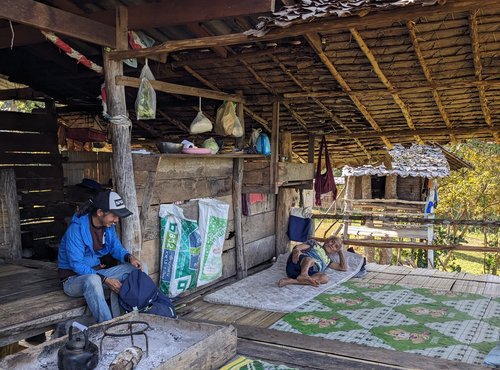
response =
{"points": [[307, 263]]}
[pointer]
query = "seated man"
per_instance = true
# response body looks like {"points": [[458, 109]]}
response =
{"points": [[91, 236], [307, 263]]}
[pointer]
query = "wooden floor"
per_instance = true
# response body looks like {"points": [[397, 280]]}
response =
{"points": [[32, 300]]}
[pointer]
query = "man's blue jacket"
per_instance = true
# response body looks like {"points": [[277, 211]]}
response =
{"points": [[76, 251]]}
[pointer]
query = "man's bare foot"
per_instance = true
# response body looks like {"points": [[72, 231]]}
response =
{"points": [[306, 279], [285, 281]]}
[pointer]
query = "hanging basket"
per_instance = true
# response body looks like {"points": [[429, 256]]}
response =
{"points": [[86, 134]]}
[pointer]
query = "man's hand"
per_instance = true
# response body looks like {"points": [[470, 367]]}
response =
{"points": [[295, 255], [134, 261], [113, 284]]}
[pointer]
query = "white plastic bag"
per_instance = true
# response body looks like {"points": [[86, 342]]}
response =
{"points": [[212, 221], [238, 127], [253, 138], [145, 103], [200, 123]]}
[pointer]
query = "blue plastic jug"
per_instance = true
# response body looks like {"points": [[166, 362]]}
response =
{"points": [[263, 145]]}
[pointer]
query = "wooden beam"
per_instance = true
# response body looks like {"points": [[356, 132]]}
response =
{"points": [[319, 103], [167, 13], [387, 244], [48, 18], [416, 220], [378, 71], [383, 18], [22, 93], [179, 89], [269, 88], [199, 31], [405, 133], [478, 69], [428, 76], [315, 42]]}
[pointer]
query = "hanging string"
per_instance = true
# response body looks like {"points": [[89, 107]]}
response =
{"points": [[12, 39], [121, 120], [199, 103]]}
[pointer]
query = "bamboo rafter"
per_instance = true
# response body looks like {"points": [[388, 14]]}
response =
{"points": [[378, 92], [478, 68], [315, 43], [378, 71], [427, 72], [319, 103], [269, 88]]}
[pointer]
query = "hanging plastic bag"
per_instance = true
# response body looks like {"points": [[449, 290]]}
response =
{"points": [[226, 117], [263, 145], [211, 144], [253, 138], [238, 130], [145, 103], [200, 123]]}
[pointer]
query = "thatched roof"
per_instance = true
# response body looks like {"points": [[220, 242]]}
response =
{"points": [[311, 10], [402, 73], [416, 161]]}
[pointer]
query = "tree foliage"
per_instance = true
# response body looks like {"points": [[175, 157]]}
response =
{"points": [[472, 194]]}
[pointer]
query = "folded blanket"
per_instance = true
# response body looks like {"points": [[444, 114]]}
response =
{"points": [[261, 290]]}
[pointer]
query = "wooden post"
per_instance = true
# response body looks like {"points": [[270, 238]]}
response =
{"points": [[430, 226], [366, 193], [285, 200], [240, 112], [285, 147], [310, 149], [350, 183], [12, 224], [239, 243], [391, 182], [122, 157], [274, 146]]}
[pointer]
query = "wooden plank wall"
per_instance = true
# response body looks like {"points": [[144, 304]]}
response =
{"points": [[90, 165], [173, 179], [10, 230], [28, 143]]}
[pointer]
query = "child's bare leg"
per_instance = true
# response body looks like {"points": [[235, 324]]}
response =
{"points": [[320, 277], [304, 277], [289, 281]]}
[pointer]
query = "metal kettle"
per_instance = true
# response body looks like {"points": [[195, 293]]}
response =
{"points": [[78, 353]]}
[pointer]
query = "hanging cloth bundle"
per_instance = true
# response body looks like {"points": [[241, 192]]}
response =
{"points": [[325, 182]]}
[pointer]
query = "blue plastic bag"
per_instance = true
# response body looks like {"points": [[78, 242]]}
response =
{"points": [[263, 145]]}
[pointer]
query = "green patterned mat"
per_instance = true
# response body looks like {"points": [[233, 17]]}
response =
{"points": [[442, 324], [245, 363]]}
